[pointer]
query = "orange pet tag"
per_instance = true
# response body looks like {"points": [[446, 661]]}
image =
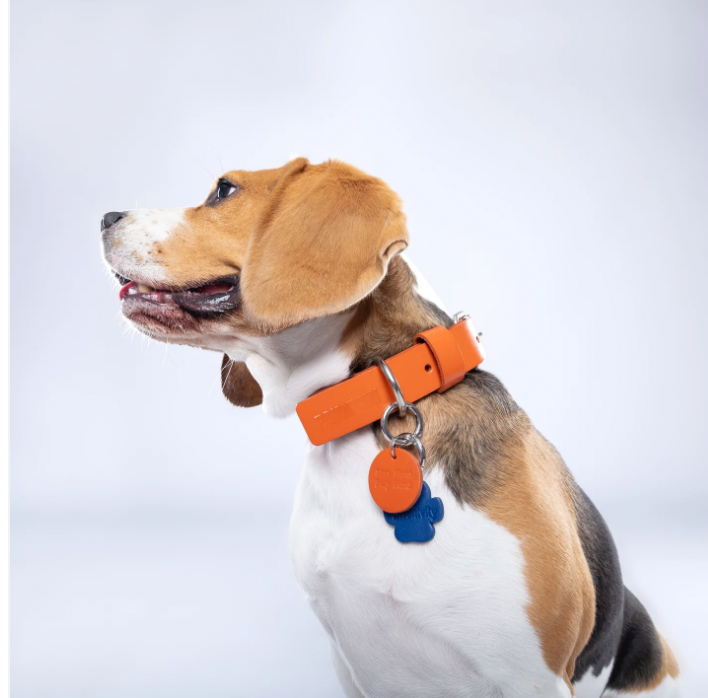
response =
{"points": [[395, 480]]}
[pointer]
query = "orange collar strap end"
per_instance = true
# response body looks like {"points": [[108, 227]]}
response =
{"points": [[439, 359]]}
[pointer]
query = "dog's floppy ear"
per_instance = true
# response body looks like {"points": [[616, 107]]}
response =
{"points": [[239, 386], [323, 242]]}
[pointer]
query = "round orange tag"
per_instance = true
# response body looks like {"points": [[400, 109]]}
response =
{"points": [[395, 482]]}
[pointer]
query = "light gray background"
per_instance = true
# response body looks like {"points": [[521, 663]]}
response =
{"points": [[553, 164]]}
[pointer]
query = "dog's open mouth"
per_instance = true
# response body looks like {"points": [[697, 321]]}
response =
{"points": [[218, 296]]}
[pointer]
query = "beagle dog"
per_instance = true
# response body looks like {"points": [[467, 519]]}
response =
{"points": [[297, 276]]}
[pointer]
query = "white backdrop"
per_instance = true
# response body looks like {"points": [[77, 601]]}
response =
{"points": [[553, 162]]}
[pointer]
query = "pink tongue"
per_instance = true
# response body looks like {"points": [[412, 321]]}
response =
{"points": [[124, 291], [213, 289]]}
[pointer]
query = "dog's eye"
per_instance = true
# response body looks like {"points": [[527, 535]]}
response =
{"points": [[225, 189]]}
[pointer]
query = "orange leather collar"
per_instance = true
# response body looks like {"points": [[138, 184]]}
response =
{"points": [[438, 360]]}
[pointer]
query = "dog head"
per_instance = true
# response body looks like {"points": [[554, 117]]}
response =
{"points": [[266, 251]]}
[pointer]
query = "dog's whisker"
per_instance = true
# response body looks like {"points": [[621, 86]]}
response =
{"points": [[220, 378]]}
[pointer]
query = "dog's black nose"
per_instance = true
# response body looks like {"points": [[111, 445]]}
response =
{"points": [[110, 218]]}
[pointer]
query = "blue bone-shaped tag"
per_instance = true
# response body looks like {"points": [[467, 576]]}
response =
{"points": [[416, 524]]}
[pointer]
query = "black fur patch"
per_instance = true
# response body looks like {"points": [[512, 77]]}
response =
{"points": [[601, 554], [623, 629], [639, 657]]}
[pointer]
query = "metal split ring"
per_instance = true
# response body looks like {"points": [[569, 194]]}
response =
{"points": [[406, 440], [462, 315], [393, 407], [402, 407], [400, 400]]}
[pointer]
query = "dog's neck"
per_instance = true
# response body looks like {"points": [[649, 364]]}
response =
{"points": [[468, 429], [388, 320], [296, 362], [293, 364]]}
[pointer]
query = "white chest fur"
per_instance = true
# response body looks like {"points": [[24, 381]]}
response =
{"points": [[445, 618]]}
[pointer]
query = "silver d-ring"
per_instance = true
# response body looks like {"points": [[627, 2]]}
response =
{"points": [[458, 317], [400, 400], [406, 440], [394, 407]]}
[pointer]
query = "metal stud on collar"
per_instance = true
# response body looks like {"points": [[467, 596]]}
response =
{"points": [[462, 315]]}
